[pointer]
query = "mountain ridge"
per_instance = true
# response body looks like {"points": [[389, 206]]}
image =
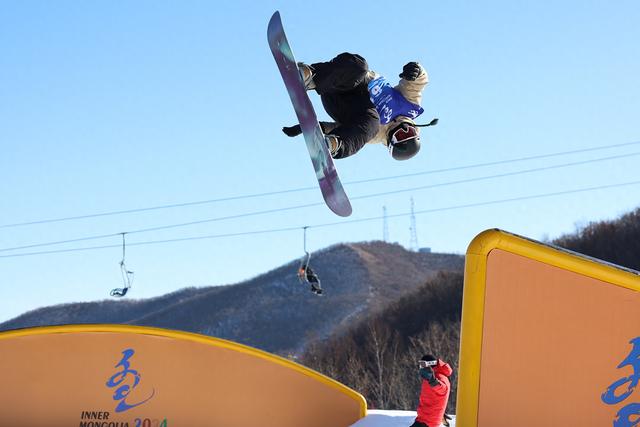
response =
{"points": [[271, 311]]}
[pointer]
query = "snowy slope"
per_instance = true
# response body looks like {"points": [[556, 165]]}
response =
{"points": [[377, 418]]}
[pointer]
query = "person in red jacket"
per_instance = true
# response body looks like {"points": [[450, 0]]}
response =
{"points": [[434, 394]]}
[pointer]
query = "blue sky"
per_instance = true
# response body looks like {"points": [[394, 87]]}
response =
{"points": [[110, 106]]}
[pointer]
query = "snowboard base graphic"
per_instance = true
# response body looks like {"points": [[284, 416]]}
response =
{"points": [[330, 185]]}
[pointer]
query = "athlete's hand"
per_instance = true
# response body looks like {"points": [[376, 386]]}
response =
{"points": [[292, 130], [411, 71]]}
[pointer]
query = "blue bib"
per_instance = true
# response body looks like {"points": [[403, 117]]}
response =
{"points": [[390, 103]]}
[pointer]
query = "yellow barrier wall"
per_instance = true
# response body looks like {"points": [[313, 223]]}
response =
{"points": [[549, 337], [114, 376]]}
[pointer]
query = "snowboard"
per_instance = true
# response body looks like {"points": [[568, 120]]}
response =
{"points": [[330, 185]]}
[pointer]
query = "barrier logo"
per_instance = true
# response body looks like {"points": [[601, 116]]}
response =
{"points": [[124, 382], [619, 391]]}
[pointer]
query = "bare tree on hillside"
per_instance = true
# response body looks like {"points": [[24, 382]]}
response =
{"points": [[382, 347]]}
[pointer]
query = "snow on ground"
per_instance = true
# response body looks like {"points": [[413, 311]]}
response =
{"points": [[377, 418]]}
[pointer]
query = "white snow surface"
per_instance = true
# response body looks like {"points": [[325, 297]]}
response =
{"points": [[378, 418]]}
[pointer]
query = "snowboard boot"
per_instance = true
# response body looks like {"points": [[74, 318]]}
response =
{"points": [[306, 72]]}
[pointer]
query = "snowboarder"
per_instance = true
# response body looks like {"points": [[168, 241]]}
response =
{"points": [[434, 394], [365, 107]]}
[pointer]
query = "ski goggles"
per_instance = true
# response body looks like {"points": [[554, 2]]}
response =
{"points": [[404, 133], [424, 363]]}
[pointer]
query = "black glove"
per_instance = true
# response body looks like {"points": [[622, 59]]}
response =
{"points": [[292, 130], [411, 71], [427, 374]]}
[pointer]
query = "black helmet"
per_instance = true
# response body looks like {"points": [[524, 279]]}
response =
{"points": [[403, 141]]}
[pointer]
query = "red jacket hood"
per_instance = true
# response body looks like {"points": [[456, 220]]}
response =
{"points": [[442, 368]]}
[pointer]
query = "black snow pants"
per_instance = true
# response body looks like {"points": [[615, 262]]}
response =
{"points": [[342, 86]]}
